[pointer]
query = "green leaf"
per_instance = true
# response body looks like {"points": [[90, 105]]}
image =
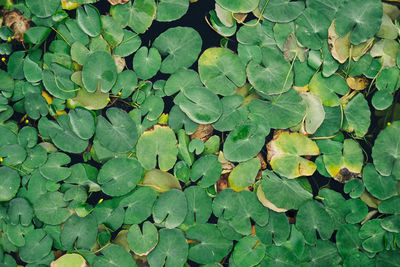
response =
{"points": [[281, 10], [238, 6], [37, 246], [138, 16], [386, 151], [323, 254], [390, 206], [139, 204], [312, 28], [200, 104], [159, 142], [53, 170], [6, 81], [61, 134], [358, 115], [51, 209], [273, 75], [285, 156], [327, 88], [112, 31], [12, 154], [391, 223], [170, 208], [199, 206], [362, 18], [373, 236], [211, 246], [208, 168], [88, 18], [142, 242], [284, 111], [82, 123], [277, 229], [221, 70], [233, 114], [180, 45], [248, 251], [146, 62], [119, 134], [35, 106], [99, 72], [171, 250], [381, 187], [244, 142], [10, 183], [291, 194], [58, 83], [32, 70], [181, 80], [130, 43], [114, 255], [312, 217], [79, 232], [244, 174], [20, 212], [43, 8], [119, 176]]}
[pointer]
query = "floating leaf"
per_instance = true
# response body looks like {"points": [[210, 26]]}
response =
{"points": [[285, 156], [221, 70], [170, 208], [10, 183], [244, 174], [280, 10], [159, 142], [88, 19], [99, 72], [142, 241], [358, 115]]}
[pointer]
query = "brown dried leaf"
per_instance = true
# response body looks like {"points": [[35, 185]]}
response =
{"points": [[17, 22], [357, 83], [118, 2], [203, 132]]}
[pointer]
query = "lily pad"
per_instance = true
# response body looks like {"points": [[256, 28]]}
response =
{"points": [[142, 242], [99, 72]]}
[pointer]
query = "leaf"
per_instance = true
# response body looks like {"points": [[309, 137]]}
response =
{"points": [[237, 6], [82, 123], [112, 31], [211, 246], [7, 83], [312, 28], [79, 232], [138, 16], [170, 208], [328, 88], [10, 183], [51, 209], [171, 250], [347, 240], [53, 170], [99, 72], [37, 246], [181, 80], [381, 187], [233, 113], [142, 242], [248, 251], [390, 205], [88, 18], [146, 62], [92, 101], [200, 104], [289, 106], [244, 142], [199, 206], [315, 113], [43, 8], [221, 70], [139, 204], [277, 229], [114, 255], [130, 43], [160, 181], [291, 194], [169, 10], [285, 156], [180, 45], [118, 133], [273, 75], [385, 152], [343, 166], [373, 236], [119, 176], [61, 134], [280, 10], [312, 217], [67, 260], [159, 142], [362, 17], [244, 174], [358, 115]]}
